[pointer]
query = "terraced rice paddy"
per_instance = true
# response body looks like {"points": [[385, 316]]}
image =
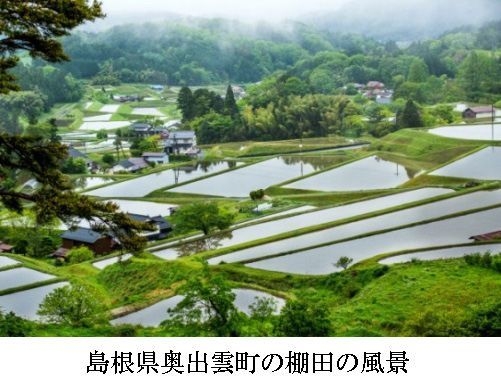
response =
{"points": [[470, 132], [289, 224], [238, 183], [362, 227], [153, 315], [21, 276], [7, 262], [482, 165], [322, 260], [446, 253], [25, 303], [142, 186], [368, 173]]}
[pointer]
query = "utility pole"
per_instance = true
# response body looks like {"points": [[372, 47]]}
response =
{"points": [[493, 116]]}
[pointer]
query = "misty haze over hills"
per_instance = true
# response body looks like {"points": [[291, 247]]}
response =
{"points": [[384, 20], [407, 20]]}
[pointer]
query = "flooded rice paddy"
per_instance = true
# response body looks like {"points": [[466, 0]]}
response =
{"points": [[470, 132], [379, 223], [322, 260], [446, 253], [482, 165], [153, 315], [142, 186], [292, 223], [368, 173]]}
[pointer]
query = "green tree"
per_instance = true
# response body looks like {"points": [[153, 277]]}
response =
{"points": [[35, 26], [410, 116], [418, 71], [486, 322], [262, 317], [79, 255], [257, 194], [14, 326], [106, 75], [108, 159], [344, 262], [470, 75], [208, 305], [74, 166], [204, 216], [321, 81], [29, 104], [102, 134], [71, 305], [230, 105], [185, 103], [301, 318], [215, 128]]}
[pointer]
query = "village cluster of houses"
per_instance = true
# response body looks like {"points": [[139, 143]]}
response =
{"points": [[176, 142], [172, 142], [376, 91]]}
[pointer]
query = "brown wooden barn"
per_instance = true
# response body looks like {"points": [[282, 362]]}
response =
{"points": [[99, 243]]}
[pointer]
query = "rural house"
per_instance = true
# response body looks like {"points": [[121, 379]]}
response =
{"points": [[130, 165], [76, 154], [161, 227], [493, 236], [158, 158], [5, 248], [141, 129], [145, 130], [181, 142], [479, 112], [99, 243]]}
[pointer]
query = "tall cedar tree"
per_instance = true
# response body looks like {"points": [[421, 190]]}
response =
{"points": [[410, 117], [185, 103], [230, 105], [36, 27]]}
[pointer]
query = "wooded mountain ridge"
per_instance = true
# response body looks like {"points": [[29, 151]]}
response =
{"points": [[218, 50]]}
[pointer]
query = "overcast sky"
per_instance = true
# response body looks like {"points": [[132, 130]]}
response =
{"points": [[271, 10]]}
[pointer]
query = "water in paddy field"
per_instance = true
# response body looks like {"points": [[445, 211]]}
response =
{"points": [[288, 224], [368, 173], [142, 186], [382, 222], [446, 253], [482, 165], [470, 132], [239, 183], [6, 261], [25, 303], [322, 260], [153, 315], [21, 276], [90, 182]]}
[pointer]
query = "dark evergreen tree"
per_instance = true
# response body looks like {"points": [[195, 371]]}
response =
{"points": [[303, 318], [230, 105], [185, 103], [35, 26], [410, 116]]}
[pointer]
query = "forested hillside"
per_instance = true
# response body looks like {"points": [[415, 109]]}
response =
{"points": [[215, 51]]}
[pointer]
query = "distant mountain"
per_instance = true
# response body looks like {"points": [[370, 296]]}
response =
{"points": [[407, 20]]}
